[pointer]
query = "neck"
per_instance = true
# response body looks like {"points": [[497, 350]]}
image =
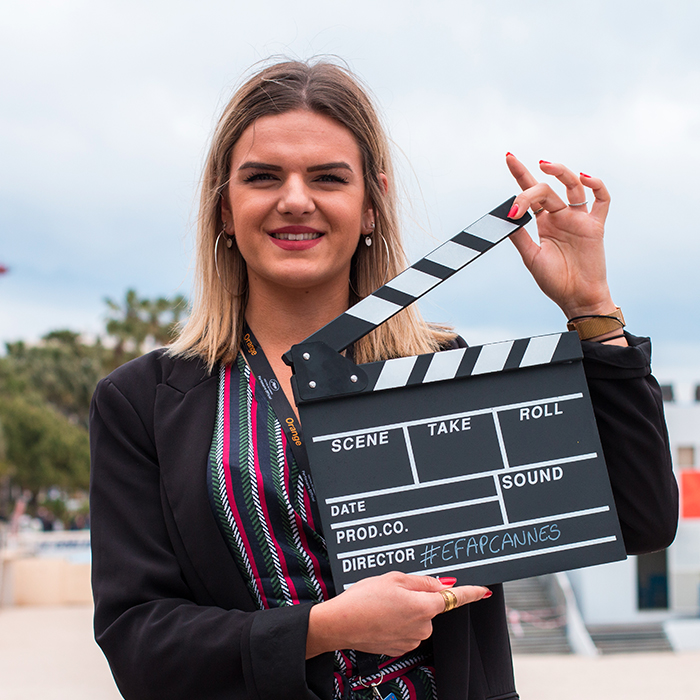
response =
{"points": [[281, 318]]}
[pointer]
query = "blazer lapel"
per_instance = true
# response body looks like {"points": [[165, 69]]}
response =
{"points": [[184, 427]]}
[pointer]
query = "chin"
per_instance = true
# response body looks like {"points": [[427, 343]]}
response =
{"points": [[300, 280]]}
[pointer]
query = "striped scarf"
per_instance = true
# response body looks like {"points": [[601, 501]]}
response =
{"points": [[265, 515]]}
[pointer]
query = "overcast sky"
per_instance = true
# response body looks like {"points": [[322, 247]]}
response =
{"points": [[106, 109]]}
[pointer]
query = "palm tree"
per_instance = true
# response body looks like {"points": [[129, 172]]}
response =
{"points": [[140, 321]]}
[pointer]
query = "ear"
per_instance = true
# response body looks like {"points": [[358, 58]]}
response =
{"points": [[368, 221], [226, 214], [368, 218]]}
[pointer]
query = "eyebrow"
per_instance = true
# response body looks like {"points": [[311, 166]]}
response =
{"points": [[276, 168], [259, 166], [329, 166]]}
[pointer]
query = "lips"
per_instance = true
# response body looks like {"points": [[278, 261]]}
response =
{"points": [[295, 233], [295, 238]]}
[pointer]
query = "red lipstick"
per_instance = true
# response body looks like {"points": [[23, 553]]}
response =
{"points": [[295, 237]]}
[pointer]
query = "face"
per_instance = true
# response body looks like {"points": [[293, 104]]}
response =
{"points": [[296, 201]]}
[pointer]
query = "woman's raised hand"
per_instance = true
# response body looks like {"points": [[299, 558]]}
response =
{"points": [[389, 614], [568, 264]]}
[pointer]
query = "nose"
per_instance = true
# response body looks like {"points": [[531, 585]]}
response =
{"points": [[295, 197]]}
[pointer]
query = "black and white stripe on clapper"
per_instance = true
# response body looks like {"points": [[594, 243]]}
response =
{"points": [[420, 278], [472, 361], [321, 373]]}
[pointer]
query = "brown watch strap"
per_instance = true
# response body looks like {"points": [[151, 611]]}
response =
{"points": [[589, 327]]}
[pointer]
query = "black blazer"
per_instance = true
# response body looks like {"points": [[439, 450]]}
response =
{"points": [[172, 612]]}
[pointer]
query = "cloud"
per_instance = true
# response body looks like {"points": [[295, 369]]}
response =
{"points": [[107, 108]]}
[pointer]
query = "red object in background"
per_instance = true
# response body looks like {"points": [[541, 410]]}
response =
{"points": [[4, 269], [690, 494]]}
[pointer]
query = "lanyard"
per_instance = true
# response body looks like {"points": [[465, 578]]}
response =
{"points": [[260, 366]]}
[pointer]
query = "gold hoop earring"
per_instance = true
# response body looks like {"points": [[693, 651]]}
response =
{"points": [[353, 290], [229, 244], [386, 250]]}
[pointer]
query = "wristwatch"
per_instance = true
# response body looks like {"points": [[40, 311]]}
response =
{"points": [[589, 327]]}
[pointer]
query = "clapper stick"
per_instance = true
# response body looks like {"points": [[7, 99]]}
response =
{"points": [[419, 279], [482, 463]]}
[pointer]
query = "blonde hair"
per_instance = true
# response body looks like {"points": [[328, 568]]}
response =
{"points": [[213, 331]]}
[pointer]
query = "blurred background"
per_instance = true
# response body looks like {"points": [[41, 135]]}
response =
{"points": [[106, 109]]}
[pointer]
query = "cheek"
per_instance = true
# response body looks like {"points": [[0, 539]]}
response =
{"points": [[244, 212], [249, 207], [349, 217]]}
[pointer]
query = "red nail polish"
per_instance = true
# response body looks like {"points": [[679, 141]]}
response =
{"points": [[546, 162], [488, 594], [513, 211], [509, 154], [447, 580], [584, 175]]}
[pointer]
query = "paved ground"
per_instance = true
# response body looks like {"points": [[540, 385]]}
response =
{"points": [[49, 654], [656, 676]]}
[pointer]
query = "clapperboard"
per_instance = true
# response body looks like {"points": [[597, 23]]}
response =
{"points": [[482, 463]]}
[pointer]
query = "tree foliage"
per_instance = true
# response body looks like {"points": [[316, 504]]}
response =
{"points": [[137, 323], [46, 388], [5, 468], [61, 370], [43, 447]]}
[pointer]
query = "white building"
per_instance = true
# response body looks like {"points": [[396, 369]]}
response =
{"points": [[664, 586]]}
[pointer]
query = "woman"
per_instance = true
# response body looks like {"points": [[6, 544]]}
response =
{"points": [[211, 577]]}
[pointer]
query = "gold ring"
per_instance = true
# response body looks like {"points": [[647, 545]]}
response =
{"points": [[450, 600], [539, 211]]}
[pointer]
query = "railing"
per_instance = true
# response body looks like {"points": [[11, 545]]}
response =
{"points": [[73, 545], [576, 633]]}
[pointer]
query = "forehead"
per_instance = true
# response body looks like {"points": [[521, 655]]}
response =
{"points": [[297, 135]]}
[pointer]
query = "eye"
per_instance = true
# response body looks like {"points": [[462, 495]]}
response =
{"points": [[329, 177], [259, 177]]}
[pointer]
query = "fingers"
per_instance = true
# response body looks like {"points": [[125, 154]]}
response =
{"points": [[524, 244], [466, 595], [454, 597], [426, 583], [575, 192], [540, 197], [601, 203], [519, 172], [463, 594], [389, 614]]}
